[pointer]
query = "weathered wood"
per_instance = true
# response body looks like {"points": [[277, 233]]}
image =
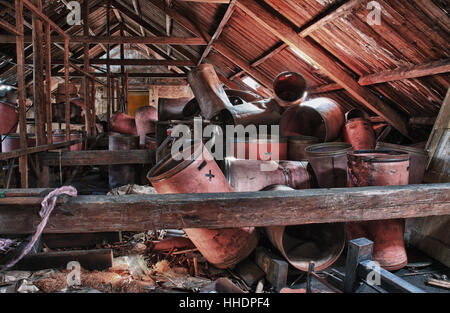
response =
{"points": [[137, 74], [359, 250], [98, 259], [66, 85], [194, 41], [405, 72], [269, 54], [86, 81], [25, 151], [221, 210], [283, 30], [44, 18], [23, 160], [9, 27], [97, 157], [226, 17], [48, 82]]}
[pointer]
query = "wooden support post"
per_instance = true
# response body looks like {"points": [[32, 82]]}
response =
{"points": [[94, 114], [48, 77], [66, 82], [126, 93], [108, 68], [86, 80], [122, 71], [23, 160], [38, 77]]}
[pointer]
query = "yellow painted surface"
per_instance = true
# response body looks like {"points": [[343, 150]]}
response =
{"points": [[137, 100]]}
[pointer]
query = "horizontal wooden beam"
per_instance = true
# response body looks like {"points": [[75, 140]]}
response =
{"points": [[99, 213], [143, 40], [149, 75], [405, 72], [97, 157], [142, 62], [206, 1], [45, 18], [30, 150]]}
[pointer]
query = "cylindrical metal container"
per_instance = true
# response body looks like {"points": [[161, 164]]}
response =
{"points": [[359, 133], [302, 244], [249, 114], [171, 109], [329, 162], [146, 118], [9, 118], [123, 124], [289, 89], [380, 168], [254, 175], [239, 96], [418, 160], [199, 173], [208, 90], [150, 142], [297, 145], [60, 136], [261, 149], [12, 142], [122, 174], [320, 117]]}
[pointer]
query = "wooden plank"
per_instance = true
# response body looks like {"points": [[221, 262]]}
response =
{"points": [[9, 27], [283, 30], [97, 157], [226, 17], [194, 41], [30, 150], [221, 210], [48, 78], [405, 72], [23, 160], [44, 18], [130, 74]]}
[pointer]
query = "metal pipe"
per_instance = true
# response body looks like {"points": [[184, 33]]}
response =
{"points": [[289, 89]]}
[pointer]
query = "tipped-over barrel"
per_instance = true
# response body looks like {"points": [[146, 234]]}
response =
{"points": [[289, 88], [123, 123], [197, 172]]}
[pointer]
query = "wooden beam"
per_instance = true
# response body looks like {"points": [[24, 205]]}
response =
{"points": [[269, 54], [142, 62], [5, 25], [66, 84], [100, 213], [206, 1], [48, 78], [405, 72], [325, 88], [86, 81], [226, 17], [45, 18], [30, 150], [23, 159], [116, 75], [97, 157], [283, 30], [144, 40]]}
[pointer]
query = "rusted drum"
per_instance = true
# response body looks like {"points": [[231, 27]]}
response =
{"points": [[60, 136], [171, 109], [122, 174], [297, 145], [123, 123], [199, 173], [208, 90], [329, 162], [302, 244], [150, 142], [146, 118], [257, 113], [9, 118], [358, 131], [380, 168], [320, 117], [417, 157], [289, 89], [240, 96], [261, 148], [254, 175], [12, 142]]}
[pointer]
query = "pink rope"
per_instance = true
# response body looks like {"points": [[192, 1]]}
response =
{"points": [[47, 206]]}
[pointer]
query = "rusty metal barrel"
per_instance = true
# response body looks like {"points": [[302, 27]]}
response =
{"points": [[329, 161], [255, 175], [320, 117], [321, 244], [199, 173], [60, 136], [380, 168], [171, 109], [145, 118], [9, 118], [289, 89], [358, 131], [123, 123], [418, 160], [297, 145], [261, 148], [11, 142], [122, 174]]}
